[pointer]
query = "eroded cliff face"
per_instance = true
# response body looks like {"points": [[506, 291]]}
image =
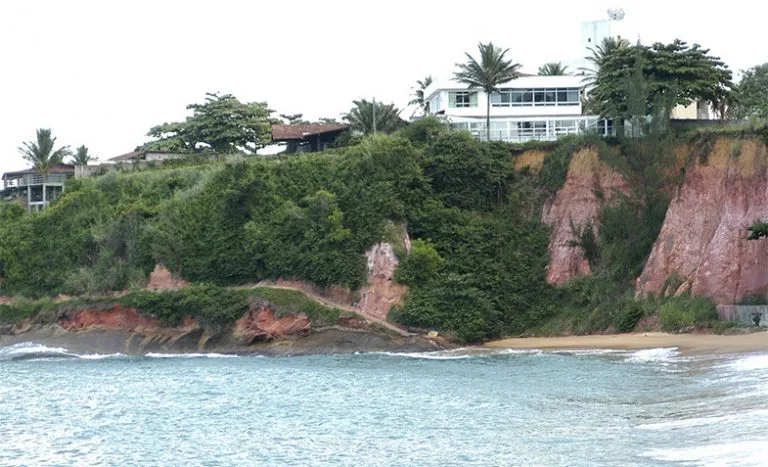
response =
{"points": [[381, 292], [590, 183], [703, 238]]}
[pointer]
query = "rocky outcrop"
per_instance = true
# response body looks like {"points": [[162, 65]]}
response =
{"points": [[381, 292], [703, 241], [261, 324], [590, 183], [162, 279], [117, 317]]}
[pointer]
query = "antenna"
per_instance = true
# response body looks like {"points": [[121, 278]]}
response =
{"points": [[616, 14]]}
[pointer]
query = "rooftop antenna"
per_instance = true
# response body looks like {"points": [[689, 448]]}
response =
{"points": [[616, 14]]}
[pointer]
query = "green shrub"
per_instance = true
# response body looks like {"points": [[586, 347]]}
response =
{"points": [[682, 313], [420, 265], [629, 314], [755, 299]]}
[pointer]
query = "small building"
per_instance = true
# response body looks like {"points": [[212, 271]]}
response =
{"points": [[309, 137], [34, 189], [527, 108], [148, 156]]}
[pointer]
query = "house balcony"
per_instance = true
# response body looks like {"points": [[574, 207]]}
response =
{"points": [[520, 130]]}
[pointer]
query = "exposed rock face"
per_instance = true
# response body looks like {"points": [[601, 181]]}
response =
{"points": [[589, 184], [703, 239], [261, 324], [117, 318], [381, 291], [162, 279], [532, 160]]}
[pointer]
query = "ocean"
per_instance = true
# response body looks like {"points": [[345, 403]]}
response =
{"points": [[463, 407]]}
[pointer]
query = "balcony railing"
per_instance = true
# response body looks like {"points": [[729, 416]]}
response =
{"points": [[521, 130], [36, 179]]}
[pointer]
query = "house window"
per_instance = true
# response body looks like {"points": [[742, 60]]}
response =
{"points": [[462, 99]]}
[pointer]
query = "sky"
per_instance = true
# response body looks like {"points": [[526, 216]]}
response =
{"points": [[102, 73]]}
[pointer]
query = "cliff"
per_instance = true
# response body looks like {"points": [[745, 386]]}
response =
{"points": [[590, 183], [702, 246], [261, 329]]}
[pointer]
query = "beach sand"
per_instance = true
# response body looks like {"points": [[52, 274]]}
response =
{"points": [[686, 343]]}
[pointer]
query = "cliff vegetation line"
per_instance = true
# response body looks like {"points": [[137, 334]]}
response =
{"points": [[477, 267]]}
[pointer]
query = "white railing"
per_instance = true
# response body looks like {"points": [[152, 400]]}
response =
{"points": [[519, 130], [35, 179]]}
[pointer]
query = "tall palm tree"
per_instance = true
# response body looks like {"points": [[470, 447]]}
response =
{"points": [[553, 69], [82, 156], [40, 153], [487, 74], [361, 116], [418, 94], [600, 55]]}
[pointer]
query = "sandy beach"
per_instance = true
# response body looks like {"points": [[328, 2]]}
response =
{"points": [[686, 343]]}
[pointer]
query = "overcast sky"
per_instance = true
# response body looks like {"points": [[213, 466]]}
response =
{"points": [[101, 73]]}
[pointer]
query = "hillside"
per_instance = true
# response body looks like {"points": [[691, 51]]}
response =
{"points": [[487, 240]]}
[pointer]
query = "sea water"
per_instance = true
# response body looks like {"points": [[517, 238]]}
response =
{"points": [[464, 407]]}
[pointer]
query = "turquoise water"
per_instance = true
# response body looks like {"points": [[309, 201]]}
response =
{"points": [[652, 407]]}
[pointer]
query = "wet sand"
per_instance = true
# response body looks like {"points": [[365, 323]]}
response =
{"points": [[686, 343]]}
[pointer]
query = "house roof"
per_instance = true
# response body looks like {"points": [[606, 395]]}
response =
{"points": [[56, 169], [294, 132], [128, 156]]}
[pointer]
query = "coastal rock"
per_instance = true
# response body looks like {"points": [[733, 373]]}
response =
{"points": [[260, 324], [117, 317], [590, 183], [381, 292], [162, 279], [703, 240]]}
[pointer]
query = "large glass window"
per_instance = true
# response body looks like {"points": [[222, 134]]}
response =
{"points": [[535, 97], [462, 99]]}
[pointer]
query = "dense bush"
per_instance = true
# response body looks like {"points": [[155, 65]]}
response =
{"points": [[419, 265], [682, 313]]}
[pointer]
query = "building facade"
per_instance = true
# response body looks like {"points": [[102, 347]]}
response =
{"points": [[527, 108], [35, 189]]}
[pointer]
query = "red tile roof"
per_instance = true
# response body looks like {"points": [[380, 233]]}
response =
{"points": [[294, 132], [56, 169]]}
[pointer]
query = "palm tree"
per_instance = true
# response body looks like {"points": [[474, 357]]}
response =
{"points": [[487, 74], [600, 55], [81, 156], [361, 116], [40, 153], [553, 69], [418, 94]]}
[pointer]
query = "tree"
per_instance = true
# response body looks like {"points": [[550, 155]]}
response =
{"points": [[553, 69], [40, 153], [294, 119], [418, 94], [82, 156], [676, 72], [361, 116], [600, 56], [752, 93], [487, 74], [222, 123]]}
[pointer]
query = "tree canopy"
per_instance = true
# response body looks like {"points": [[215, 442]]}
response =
{"points": [[221, 124], [41, 153], [361, 116], [752, 93], [553, 69], [82, 156], [487, 74], [675, 72]]}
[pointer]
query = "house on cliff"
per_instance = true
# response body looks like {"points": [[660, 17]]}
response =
{"points": [[35, 189], [310, 137]]}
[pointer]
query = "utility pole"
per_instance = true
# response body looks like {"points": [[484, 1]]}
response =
{"points": [[374, 116]]}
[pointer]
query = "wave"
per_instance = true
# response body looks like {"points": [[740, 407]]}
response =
{"points": [[750, 363], [189, 355], [743, 453], [661, 354], [439, 355], [34, 351]]}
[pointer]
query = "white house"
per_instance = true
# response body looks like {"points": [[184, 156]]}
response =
{"points": [[526, 108]]}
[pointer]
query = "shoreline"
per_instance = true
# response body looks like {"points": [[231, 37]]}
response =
{"points": [[685, 343]]}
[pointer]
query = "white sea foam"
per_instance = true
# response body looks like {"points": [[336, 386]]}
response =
{"points": [[734, 418], [189, 355], [750, 363], [30, 350], [744, 453], [662, 354], [426, 355]]}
